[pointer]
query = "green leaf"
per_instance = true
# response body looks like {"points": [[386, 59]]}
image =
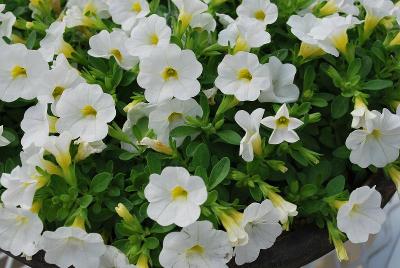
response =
{"points": [[219, 172], [308, 190], [201, 157], [377, 84], [336, 185], [339, 106], [30, 42], [100, 182], [183, 131], [229, 136], [151, 243], [85, 201], [342, 152]]}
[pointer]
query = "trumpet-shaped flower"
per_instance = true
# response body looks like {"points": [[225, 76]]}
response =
{"points": [[59, 147], [106, 45], [261, 223], [251, 142], [243, 76], [378, 144], [175, 197], [113, 257], [244, 34], [232, 221], [157, 146], [86, 149], [171, 114], [198, 245], [19, 70], [7, 21], [361, 115], [69, 246], [361, 215], [261, 10], [334, 6], [194, 13], [84, 111], [284, 208], [283, 126], [53, 43], [128, 12], [20, 231], [170, 72], [81, 12], [281, 89], [151, 32], [3, 140], [376, 11]]}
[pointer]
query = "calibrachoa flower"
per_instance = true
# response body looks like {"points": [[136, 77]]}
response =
{"points": [[282, 88], [361, 115], [128, 12], [3, 140], [86, 149], [193, 13], [113, 257], [170, 72], [378, 144], [261, 10], [106, 45], [243, 76], [151, 32], [361, 215], [198, 245], [334, 6], [283, 126], [84, 111], [20, 231], [7, 20], [251, 142], [85, 12], [261, 223], [53, 43], [376, 10], [175, 197]]}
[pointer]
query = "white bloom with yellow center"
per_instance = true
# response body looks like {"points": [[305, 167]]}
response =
{"points": [[3, 140], [377, 10], [251, 142], [20, 231], [378, 144], [69, 246], [261, 10], [151, 32], [106, 45], [128, 12], [334, 6], [175, 197], [79, 12], [194, 13], [19, 70], [7, 21], [171, 114], [243, 76], [170, 72], [59, 147], [114, 258], [282, 88], [283, 126], [261, 223], [84, 111], [53, 43], [86, 149], [361, 215], [244, 34], [198, 245]]}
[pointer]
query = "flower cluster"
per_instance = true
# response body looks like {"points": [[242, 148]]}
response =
{"points": [[191, 133]]}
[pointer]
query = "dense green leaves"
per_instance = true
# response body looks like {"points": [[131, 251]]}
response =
{"points": [[219, 172], [100, 182]]}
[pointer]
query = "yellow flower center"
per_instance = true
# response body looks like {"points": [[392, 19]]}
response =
{"points": [[179, 193], [18, 71], [241, 45], [175, 117], [89, 8], [244, 74], [117, 54], [169, 73], [57, 92], [154, 39], [185, 18], [376, 133], [259, 15], [282, 122], [136, 7], [88, 110], [22, 219], [340, 41], [196, 249]]}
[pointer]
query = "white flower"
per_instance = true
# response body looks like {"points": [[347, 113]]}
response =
{"points": [[361, 215], [261, 10], [114, 258], [69, 246], [377, 9], [20, 231], [84, 111], [175, 197], [261, 223], [232, 221], [106, 45], [251, 142], [3, 140], [361, 115], [333, 6], [157, 146], [242, 75], [170, 72], [53, 43], [283, 126], [378, 144], [283, 208], [244, 34], [7, 21], [198, 245], [171, 114], [80, 12], [85, 149], [59, 147], [19, 68], [128, 12], [151, 32], [281, 89], [224, 19], [194, 13]]}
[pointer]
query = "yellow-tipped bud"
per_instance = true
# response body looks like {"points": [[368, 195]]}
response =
{"points": [[29, 25], [395, 41], [232, 222], [124, 213], [157, 146]]}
